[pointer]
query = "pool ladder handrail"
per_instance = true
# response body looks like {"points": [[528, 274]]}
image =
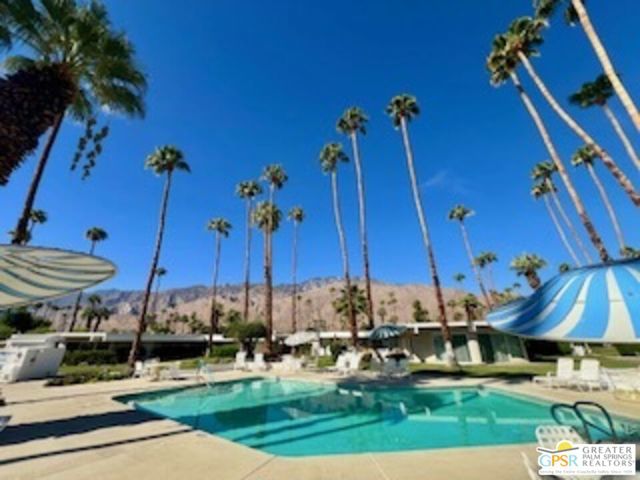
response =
{"points": [[586, 423]]}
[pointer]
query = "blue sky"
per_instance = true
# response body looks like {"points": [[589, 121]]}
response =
{"points": [[238, 84]]}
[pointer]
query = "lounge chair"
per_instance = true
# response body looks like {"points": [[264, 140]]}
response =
{"points": [[258, 363], [549, 436], [241, 361], [623, 382], [589, 376], [564, 377], [342, 364], [138, 369], [171, 373], [395, 368]]}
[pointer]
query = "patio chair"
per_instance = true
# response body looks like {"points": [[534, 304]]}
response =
{"points": [[204, 373], [589, 377], [549, 436], [138, 369], [241, 361], [258, 363], [342, 364], [623, 382], [564, 376], [171, 373]]}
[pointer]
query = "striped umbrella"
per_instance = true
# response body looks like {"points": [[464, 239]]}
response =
{"points": [[599, 304], [33, 274], [385, 332]]}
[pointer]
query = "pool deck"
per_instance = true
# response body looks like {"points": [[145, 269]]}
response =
{"points": [[80, 432]]}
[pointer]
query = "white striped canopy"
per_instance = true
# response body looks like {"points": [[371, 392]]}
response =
{"points": [[598, 304], [32, 274]]}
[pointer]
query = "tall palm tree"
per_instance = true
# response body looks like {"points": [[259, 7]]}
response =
{"points": [[459, 213], [296, 215], [543, 171], [331, 156], [459, 278], [577, 13], [402, 109], [221, 227], [528, 265], [88, 53], [486, 260], [102, 314], [541, 190], [598, 93], [160, 272], [95, 235], [524, 35], [247, 190], [501, 64], [36, 217], [163, 161], [586, 156], [267, 217], [352, 122], [91, 311]]}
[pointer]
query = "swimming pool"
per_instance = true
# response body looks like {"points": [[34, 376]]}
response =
{"points": [[293, 418]]}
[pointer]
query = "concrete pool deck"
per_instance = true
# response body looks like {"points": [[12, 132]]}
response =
{"points": [[79, 432]]}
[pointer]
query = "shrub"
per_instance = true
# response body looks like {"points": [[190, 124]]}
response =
{"points": [[90, 357], [224, 351], [326, 361], [5, 331], [628, 349], [88, 374]]}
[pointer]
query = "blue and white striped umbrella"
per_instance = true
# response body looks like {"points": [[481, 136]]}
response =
{"points": [[32, 274], [599, 303]]}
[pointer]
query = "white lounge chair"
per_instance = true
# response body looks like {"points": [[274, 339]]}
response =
{"points": [[564, 377], [342, 364], [623, 382], [353, 362], [549, 436], [258, 363], [241, 361], [589, 377], [138, 369], [171, 373], [204, 373]]}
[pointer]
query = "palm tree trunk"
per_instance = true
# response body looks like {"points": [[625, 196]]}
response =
{"points": [[567, 221], [444, 326], [623, 136], [618, 174], [363, 228], [607, 204], [561, 233], [533, 279], [247, 262], [213, 313], [353, 325], [575, 198], [294, 268], [474, 267], [142, 319], [21, 233], [268, 294], [607, 66], [76, 305]]}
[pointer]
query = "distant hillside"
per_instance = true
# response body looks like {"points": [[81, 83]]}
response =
{"points": [[314, 304]]}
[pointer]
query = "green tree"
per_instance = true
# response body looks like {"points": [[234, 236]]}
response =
{"points": [[564, 267], [460, 213], [36, 217], [92, 310], [419, 314], [402, 109], [502, 63], [331, 156], [95, 235], [471, 306], [296, 216], [163, 161], [80, 47], [598, 93], [352, 122], [267, 217], [528, 265], [357, 297], [486, 260], [247, 334], [220, 227], [459, 278], [248, 191], [586, 156]]}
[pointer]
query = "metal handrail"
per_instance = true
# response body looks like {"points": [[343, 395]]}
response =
{"points": [[586, 423]]}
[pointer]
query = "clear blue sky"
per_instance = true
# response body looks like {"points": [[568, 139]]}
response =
{"points": [[239, 84]]}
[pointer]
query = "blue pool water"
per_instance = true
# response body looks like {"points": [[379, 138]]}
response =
{"points": [[292, 418]]}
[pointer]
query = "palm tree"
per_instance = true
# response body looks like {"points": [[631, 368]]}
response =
{"points": [[331, 156], [94, 235], [577, 13], [36, 217], [487, 259], [82, 48], [402, 109], [543, 171], [501, 64], [352, 122], [586, 157], [267, 217], [102, 314], [460, 213], [564, 267], [598, 93], [247, 191], [541, 190], [91, 311], [459, 278], [163, 161], [528, 265], [160, 272], [524, 35], [296, 215], [221, 227]]}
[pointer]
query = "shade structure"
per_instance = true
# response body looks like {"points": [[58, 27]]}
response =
{"points": [[387, 331], [597, 304], [301, 338], [33, 274]]}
